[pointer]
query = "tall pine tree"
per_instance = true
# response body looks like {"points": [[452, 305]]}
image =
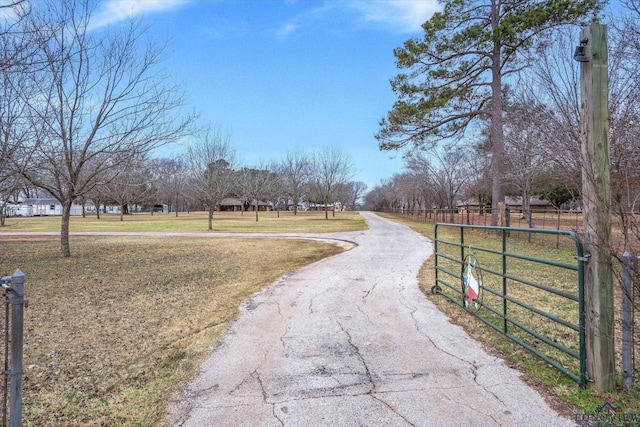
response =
{"points": [[456, 72]]}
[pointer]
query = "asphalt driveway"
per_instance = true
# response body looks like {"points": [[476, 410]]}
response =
{"points": [[351, 341]]}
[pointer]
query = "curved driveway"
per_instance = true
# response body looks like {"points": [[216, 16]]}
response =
{"points": [[351, 341]]}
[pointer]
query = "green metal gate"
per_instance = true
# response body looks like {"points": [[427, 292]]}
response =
{"points": [[530, 291]]}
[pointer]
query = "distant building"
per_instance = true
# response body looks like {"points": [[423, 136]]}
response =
{"points": [[43, 206], [235, 205], [330, 207]]}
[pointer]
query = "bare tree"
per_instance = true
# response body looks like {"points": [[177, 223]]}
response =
{"points": [[16, 50], [558, 86], [170, 179], [408, 189], [525, 139], [276, 192], [131, 186], [257, 183], [624, 105], [349, 193], [295, 172], [343, 196], [330, 169], [13, 128], [13, 133], [386, 195], [358, 189], [211, 161], [98, 101], [446, 170], [478, 183], [98, 194]]}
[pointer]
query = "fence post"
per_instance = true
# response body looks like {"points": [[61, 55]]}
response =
{"points": [[628, 265], [501, 214], [17, 303]]}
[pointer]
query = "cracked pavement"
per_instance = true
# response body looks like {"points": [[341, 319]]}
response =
{"points": [[351, 341]]}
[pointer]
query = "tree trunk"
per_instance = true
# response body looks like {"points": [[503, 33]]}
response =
{"points": [[64, 229], [497, 132], [210, 218], [526, 209], [121, 212], [256, 210]]}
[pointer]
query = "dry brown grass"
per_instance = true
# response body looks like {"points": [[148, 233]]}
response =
{"points": [[242, 222], [112, 331]]}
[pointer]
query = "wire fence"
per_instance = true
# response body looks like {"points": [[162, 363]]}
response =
{"points": [[570, 220]]}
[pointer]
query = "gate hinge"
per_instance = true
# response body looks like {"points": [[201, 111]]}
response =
{"points": [[583, 258]]}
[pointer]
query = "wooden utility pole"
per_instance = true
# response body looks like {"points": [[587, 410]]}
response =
{"points": [[596, 207]]}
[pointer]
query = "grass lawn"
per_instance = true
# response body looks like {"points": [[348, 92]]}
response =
{"points": [[268, 222], [567, 397], [112, 331]]}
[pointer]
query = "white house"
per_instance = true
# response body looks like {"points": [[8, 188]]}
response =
{"points": [[44, 207]]}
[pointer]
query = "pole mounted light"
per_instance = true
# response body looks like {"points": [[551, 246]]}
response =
{"points": [[580, 53]]}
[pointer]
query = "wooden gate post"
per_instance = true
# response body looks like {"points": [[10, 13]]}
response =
{"points": [[596, 201]]}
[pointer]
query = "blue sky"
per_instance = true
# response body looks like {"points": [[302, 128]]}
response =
{"points": [[281, 75]]}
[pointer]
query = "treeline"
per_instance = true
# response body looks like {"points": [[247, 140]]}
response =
{"points": [[456, 160], [208, 172]]}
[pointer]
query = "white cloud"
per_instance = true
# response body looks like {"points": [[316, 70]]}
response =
{"points": [[397, 15], [400, 16], [113, 11], [287, 29]]}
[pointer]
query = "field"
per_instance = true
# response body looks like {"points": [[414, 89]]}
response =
{"points": [[268, 222], [113, 331]]}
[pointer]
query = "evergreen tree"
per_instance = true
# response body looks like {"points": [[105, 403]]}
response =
{"points": [[457, 71]]}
